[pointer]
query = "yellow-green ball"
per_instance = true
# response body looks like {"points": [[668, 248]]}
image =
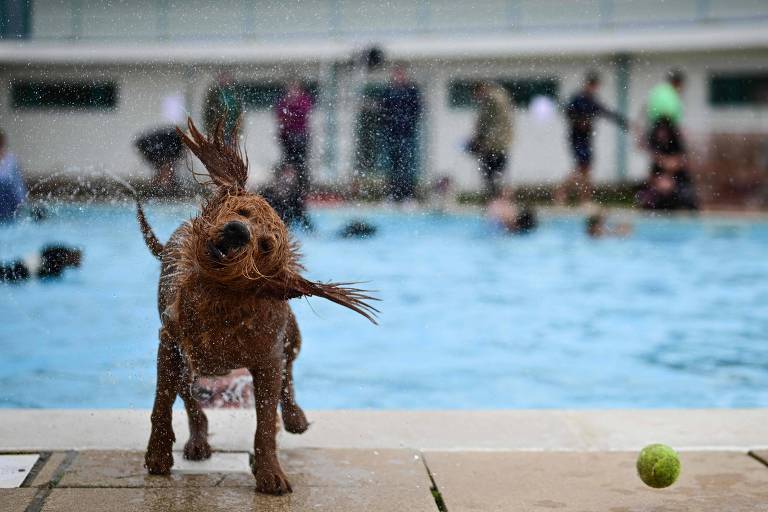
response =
{"points": [[658, 466]]}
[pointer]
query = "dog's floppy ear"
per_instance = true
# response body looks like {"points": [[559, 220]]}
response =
{"points": [[291, 285], [340, 293], [224, 162]]}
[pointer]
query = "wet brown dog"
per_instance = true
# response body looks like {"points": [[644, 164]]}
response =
{"points": [[226, 279]]}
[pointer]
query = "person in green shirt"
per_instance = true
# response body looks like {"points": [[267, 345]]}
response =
{"points": [[222, 101], [664, 99]]}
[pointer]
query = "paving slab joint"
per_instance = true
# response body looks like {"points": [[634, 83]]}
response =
{"points": [[36, 505], [41, 461]]}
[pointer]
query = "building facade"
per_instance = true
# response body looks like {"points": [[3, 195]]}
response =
{"points": [[81, 79]]}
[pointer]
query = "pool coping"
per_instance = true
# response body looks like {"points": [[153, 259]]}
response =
{"points": [[23, 430]]}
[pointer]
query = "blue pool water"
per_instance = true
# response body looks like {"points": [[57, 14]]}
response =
{"points": [[674, 316]]}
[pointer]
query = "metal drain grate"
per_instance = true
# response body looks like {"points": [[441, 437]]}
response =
{"points": [[15, 468]]}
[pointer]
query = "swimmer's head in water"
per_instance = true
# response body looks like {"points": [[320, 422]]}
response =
{"points": [[523, 223], [526, 221], [595, 223], [56, 258], [357, 229]]}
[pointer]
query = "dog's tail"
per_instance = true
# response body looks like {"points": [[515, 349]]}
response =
{"points": [[154, 245]]}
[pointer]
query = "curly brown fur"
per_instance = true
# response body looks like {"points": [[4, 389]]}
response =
{"points": [[226, 277]]}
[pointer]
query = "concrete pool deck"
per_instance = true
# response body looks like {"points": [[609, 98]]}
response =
{"points": [[400, 460]]}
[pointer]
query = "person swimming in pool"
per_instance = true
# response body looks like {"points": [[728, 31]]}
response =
{"points": [[52, 261], [597, 227], [357, 229], [503, 212]]}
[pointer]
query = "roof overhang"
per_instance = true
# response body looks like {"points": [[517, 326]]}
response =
{"points": [[550, 43]]}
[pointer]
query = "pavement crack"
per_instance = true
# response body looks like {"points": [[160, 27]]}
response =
{"points": [[436, 495], [759, 458]]}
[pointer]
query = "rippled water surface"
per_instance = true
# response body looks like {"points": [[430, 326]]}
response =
{"points": [[674, 316]]}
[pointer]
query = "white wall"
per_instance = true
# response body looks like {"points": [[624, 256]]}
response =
{"points": [[85, 142]]}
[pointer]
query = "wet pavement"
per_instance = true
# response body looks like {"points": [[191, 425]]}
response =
{"points": [[399, 461], [401, 480]]}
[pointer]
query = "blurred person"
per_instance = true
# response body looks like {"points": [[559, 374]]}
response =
{"points": [[222, 102], [400, 109], [597, 227], [162, 149], [49, 263], [13, 191], [357, 229], [442, 197], [669, 185], [293, 118], [582, 111], [492, 135], [503, 212], [285, 196]]}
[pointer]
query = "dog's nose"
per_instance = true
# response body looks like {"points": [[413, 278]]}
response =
{"points": [[235, 234]]}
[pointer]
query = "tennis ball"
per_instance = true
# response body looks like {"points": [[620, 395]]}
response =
{"points": [[658, 466]]}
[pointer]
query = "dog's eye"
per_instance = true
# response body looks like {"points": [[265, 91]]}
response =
{"points": [[243, 212], [265, 244]]}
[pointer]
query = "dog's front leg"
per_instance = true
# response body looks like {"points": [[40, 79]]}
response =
{"points": [[159, 457], [270, 478]]}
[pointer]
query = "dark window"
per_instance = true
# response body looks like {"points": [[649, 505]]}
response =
{"points": [[15, 19], [64, 95], [738, 89], [460, 92], [265, 95]]}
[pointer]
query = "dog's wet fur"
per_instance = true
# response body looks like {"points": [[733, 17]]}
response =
{"points": [[227, 276]]}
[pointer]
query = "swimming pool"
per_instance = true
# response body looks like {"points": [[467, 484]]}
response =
{"points": [[674, 316]]}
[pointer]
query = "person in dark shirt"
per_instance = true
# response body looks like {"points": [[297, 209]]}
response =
{"points": [[401, 111], [293, 114], [13, 191], [162, 149], [284, 194], [670, 185], [582, 111]]}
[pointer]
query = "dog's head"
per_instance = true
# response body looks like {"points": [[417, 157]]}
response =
{"points": [[239, 242]]}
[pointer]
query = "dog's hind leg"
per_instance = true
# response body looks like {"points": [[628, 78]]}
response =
{"points": [[159, 457], [294, 419], [197, 447]]}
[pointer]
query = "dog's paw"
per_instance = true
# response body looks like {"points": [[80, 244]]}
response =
{"points": [[158, 462], [295, 420], [197, 449], [271, 480]]}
